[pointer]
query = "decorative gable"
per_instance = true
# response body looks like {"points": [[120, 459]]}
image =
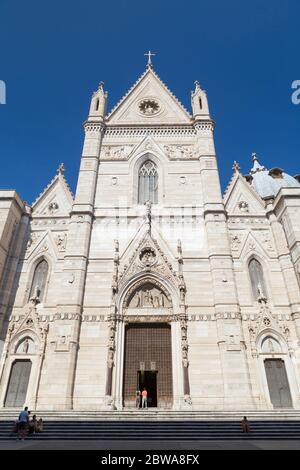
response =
{"points": [[148, 257], [240, 199], [150, 102], [28, 326], [52, 243], [55, 200]]}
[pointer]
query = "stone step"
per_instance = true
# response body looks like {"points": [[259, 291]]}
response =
{"points": [[163, 430], [155, 415]]}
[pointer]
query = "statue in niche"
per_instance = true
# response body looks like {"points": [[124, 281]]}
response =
{"points": [[271, 346], [159, 300], [25, 347], [35, 298], [148, 299], [138, 299]]}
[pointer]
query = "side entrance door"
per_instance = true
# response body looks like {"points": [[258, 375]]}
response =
{"points": [[18, 384], [278, 383]]}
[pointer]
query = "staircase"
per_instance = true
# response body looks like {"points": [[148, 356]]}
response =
{"points": [[151, 426]]}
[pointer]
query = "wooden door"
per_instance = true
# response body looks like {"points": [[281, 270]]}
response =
{"points": [[18, 384], [278, 383]]}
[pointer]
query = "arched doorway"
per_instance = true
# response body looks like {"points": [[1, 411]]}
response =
{"points": [[278, 384], [274, 363], [148, 348], [148, 364]]}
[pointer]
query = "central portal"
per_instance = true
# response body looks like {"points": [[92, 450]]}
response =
{"points": [[148, 364], [147, 379]]}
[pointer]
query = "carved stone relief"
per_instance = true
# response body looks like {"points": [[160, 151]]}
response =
{"points": [[115, 152], [60, 241], [180, 151], [265, 238], [148, 296], [33, 239], [236, 241]]}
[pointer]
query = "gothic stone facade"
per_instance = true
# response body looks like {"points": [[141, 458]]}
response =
{"points": [[149, 276]]}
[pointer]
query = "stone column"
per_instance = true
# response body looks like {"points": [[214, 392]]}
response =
{"points": [[9, 281], [112, 330], [63, 370], [227, 310]]}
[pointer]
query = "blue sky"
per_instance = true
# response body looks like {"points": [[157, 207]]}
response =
{"points": [[53, 54]]}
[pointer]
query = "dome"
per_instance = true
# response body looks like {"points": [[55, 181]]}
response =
{"points": [[267, 183]]}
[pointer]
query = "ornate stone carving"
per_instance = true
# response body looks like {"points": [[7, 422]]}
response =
{"points": [[149, 107], [265, 238], [33, 239], [43, 248], [61, 241], [251, 246], [148, 296], [266, 321], [161, 265], [177, 152], [53, 207], [243, 206], [115, 152], [29, 324], [148, 256], [111, 341], [236, 241], [166, 131]]}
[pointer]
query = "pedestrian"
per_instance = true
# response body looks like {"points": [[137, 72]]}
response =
{"points": [[33, 425], [39, 427], [144, 398], [245, 425], [23, 423], [138, 398]]}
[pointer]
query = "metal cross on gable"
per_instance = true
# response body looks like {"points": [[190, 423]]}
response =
{"points": [[149, 54]]}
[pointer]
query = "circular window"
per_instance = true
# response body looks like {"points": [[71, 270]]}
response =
{"points": [[149, 107]]}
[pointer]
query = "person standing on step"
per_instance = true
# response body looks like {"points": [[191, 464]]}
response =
{"points": [[23, 423], [144, 398], [245, 425], [137, 398]]}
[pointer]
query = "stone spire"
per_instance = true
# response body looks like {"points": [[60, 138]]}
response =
{"points": [[256, 164], [236, 167], [98, 104], [199, 103]]}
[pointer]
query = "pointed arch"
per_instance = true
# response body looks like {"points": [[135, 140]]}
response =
{"points": [[138, 280], [271, 334], [148, 183], [257, 277], [39, 279], [137, 163]]}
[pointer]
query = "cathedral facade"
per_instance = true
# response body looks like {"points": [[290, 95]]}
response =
{"points": [[149, 277]]}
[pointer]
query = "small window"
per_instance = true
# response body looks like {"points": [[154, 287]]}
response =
{"points": [[97, 104]]}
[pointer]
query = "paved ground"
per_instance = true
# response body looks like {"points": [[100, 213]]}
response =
{"points": [[160, 445]]}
